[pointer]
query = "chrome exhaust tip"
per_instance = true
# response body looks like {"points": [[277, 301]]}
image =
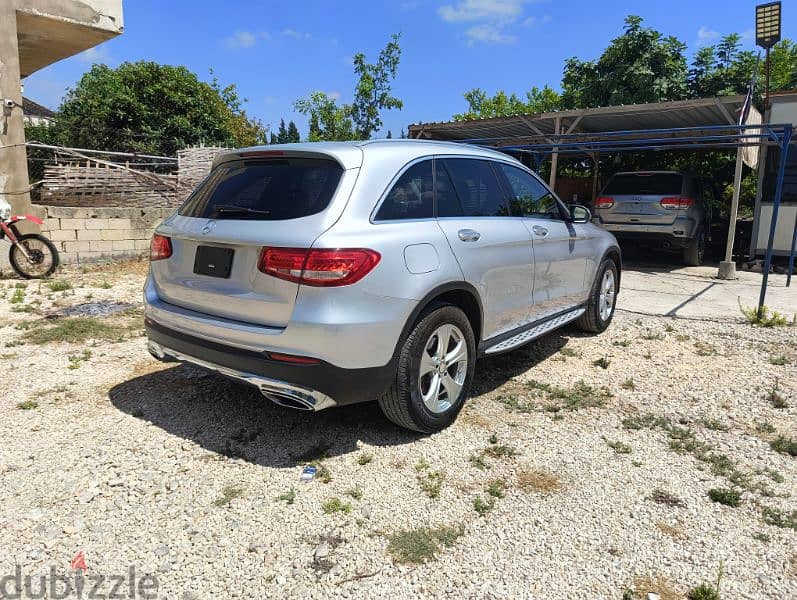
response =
{"points": [[288, 399]]}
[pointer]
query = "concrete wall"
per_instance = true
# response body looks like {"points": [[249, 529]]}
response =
{"points": [[91, 234]]}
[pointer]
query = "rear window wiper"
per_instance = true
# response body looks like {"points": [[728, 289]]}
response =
{"points": [[239, 211]]}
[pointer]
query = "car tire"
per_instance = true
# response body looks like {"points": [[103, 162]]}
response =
{"points": [[602, 299], [421, 398], [695, 249]]}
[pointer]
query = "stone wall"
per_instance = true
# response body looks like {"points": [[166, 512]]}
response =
{"points": [[91, 234]]}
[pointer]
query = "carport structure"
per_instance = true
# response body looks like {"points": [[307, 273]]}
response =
{"points": [[701, 124]]}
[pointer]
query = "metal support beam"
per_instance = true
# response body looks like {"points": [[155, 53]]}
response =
{"points": [[727, 269], [555, 157], [784, 155]]}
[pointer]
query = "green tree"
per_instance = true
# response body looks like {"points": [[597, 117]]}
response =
{"points": [[721, 70], [328, 121], [282, 133], [480, 105], [151, 108], [783, 69], [372, 94], [273, 138], [293, 133], [641, 65]]}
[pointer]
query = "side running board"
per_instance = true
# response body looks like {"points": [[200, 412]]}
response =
{"points": [[534, 332]]}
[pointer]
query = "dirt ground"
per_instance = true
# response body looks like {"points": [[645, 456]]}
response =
{"points": [[652, 458]]}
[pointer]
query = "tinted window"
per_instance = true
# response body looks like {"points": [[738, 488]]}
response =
{"points": [[529, 197], [653, 184], [267, 190], [477, 189], [411, 196]]}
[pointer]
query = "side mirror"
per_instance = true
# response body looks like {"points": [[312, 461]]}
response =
{"points": [[579, 214]]}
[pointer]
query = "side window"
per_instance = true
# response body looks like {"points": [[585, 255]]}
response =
{"points": [[477, 190], [529, 197], [411, 197]]}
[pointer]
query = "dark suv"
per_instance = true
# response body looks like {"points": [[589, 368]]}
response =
{"points": [[664, 209]]}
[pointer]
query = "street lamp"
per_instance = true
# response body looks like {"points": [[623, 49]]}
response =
{"points": [[767, 34]]}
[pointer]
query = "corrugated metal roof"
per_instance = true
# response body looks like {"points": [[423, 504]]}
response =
{"points": [[722, 110]]}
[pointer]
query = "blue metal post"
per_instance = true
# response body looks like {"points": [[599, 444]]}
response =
{"points": [[791, 252], [784, 154]]}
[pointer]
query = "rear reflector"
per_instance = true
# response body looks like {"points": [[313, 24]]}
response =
{"points": [[676, 202], [293, 359], [321, 267], [160, 247], [604, 202]]}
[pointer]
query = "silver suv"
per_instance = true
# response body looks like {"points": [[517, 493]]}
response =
{"points": [[333, 273], [665, 209]]}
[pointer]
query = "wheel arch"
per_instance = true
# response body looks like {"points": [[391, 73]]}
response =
{"points": [[613, 254], [457, 293]]}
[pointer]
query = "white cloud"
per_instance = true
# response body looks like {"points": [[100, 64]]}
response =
{"points": [[297, 35], [533, 20], [482, 10], [492, 34], [706, 36], [489, 20], [97, 54], [335, 95], [241, 39]]}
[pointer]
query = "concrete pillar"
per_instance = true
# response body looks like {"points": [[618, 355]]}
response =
{"points": [[727, 268], [13, 157]]}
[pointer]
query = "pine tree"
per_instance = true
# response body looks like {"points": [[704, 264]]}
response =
{"points": [[273, 139], [293, 133], [282, 133]]}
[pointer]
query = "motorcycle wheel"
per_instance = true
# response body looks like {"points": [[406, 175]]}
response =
{"points": [[42, 253]]}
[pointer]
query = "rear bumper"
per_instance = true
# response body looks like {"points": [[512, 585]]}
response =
{"points": [[308, 387], [677, 233]]}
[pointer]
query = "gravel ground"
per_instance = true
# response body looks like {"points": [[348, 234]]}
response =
{"points": [[600, 476]]}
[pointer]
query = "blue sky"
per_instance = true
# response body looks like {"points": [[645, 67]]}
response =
{"points": [[277, 52]]}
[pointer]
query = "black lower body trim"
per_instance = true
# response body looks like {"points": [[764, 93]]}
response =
{"points": [[344, 386]]}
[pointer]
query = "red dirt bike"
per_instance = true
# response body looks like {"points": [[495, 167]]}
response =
{"points": [[32, 255]]}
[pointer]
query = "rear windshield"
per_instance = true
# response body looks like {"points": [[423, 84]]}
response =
{"points": [[265, 190], [654, 184]]}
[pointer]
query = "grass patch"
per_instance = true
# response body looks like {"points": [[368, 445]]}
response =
{"points": [[431, 482], [648, 584], [335, 505], [764, 318], [618, 446], [764, 427], [422, 465], [628, 384], [579, 396], [664, 497], [76, 359], [780, 360], [482, 506], [704, 592], [646, 421], [228, 494], [779, 518], [650, 336], [28, 405], [287, 497], [477, 460], [705, 349], [75, 330], [715, 425], [417, 546], [725, 496], [496, 488], [500, 451], [776, 399], [355, 493], [538, 480], [364, 459], [784, 445], [18, 297], [602, 362], [568, 352], [59, 285], [621, 343]]}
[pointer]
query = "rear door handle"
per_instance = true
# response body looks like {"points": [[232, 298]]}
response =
{"points": [[539, 230], [468, 235]]}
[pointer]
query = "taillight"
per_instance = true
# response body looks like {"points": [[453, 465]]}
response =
{"points": [[676, 202], [604, 202], [160, 247], [318, 267]]}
